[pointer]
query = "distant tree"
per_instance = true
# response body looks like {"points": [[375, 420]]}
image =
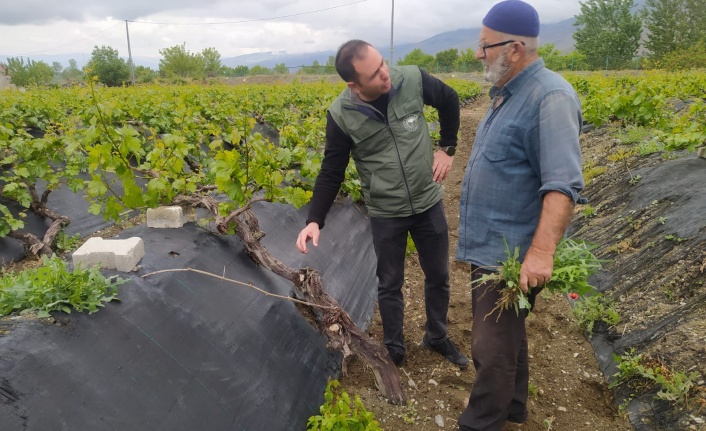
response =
{"points": [[241, 70], [467, 61], [145, 75], [330, 67], [315, 69], [280, 69], [692, 57], [697, 19], [666, 22], [212, 62], [445, 60], [259, 70], [72, 74], [608, 33], [58, 67], [110, 69], [417, 58], [235, 71], [177, 61], [32, 73], [552, 57]]}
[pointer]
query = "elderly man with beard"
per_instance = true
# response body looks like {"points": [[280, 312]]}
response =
{"points": [[520, 185]]}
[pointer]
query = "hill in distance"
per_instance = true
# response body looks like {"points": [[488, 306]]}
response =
{"points": [[559, 34]]}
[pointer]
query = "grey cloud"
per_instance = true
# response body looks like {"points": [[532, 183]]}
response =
{"points": [[18, 12]]}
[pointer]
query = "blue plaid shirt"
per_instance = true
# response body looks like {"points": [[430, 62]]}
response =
{"points": [[524, 148]]}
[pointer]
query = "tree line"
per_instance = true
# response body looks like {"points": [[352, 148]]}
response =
{"points": [[610, 34]]}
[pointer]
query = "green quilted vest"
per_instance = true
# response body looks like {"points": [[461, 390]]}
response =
{"points": [[394, 160]]}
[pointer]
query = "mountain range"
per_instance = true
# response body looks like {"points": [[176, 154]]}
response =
{"points": [[560, 34]]}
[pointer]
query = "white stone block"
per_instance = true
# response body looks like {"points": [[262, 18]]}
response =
{"points": [[166, 217], [120, 254], [701, 152]]}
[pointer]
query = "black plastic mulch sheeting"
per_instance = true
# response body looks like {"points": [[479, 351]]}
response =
{"points": [[679, 182], [183, 351]]}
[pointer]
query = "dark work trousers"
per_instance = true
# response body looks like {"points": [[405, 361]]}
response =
{"points": [[430, 234], [499, 352]]}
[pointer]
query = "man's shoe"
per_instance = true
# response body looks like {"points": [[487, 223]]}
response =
{"points": [[397, 358], [514, 421], [448, 350]]}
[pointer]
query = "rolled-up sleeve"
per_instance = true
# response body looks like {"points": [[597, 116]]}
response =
{"points": [[557, 152]]}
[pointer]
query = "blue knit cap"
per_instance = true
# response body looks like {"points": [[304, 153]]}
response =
{"points": [[513, 17]]}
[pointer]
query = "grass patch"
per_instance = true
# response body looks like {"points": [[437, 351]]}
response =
{"points": [[52, 287]]}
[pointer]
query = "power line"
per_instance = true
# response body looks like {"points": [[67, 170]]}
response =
{"points": [[250, 20], [71, 43]]}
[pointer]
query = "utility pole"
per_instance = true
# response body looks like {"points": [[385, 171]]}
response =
{"points": [[392, 33], [129, 53]]}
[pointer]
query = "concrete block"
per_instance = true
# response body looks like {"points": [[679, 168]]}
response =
{"points": [[701, 152], [120, 254], [166, 217]]}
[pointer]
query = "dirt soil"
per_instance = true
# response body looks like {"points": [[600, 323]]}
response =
{"points": [[569, 392]]}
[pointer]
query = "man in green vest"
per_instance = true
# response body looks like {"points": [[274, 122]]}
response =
{"points": [[379, 121]]}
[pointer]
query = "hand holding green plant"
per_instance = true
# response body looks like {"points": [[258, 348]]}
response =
{"points": [[574, 263]]}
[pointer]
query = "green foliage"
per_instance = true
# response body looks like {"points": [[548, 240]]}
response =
{"points": [[410, 414], [691, 57], [318, 69], [555, 60], [644, 374], [467, 62], [467, 90], [52, 287], [33, 161], [595, 308], [444, 61], [235, 71], [666, 22], [686, 131], [411, 247], [620, 154], [72, 74], [280, 69], [588, 211], [35, 73], [607, 33], [106, 64], [144, 75], [338, 413], [178, 62], [574, 263], [259, 70], [590, 172], [211, 62], [417, 58], [634, 135], [65, 242], [533, 390]]}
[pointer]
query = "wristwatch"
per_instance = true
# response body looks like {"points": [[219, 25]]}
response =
{"points": [[448, 150]]}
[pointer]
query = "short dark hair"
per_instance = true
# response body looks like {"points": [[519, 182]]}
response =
{"points": [[349, 51]]}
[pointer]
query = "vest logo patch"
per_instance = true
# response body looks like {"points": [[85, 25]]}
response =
{"points": [[411, 122]]}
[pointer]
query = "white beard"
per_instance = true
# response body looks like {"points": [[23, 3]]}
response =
{"points": [[498, 69]]}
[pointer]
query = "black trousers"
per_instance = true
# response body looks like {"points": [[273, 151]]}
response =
{"points": [[499, 352], [430, 234]]}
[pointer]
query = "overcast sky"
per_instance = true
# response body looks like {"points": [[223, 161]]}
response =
{"points": [[30, 28]]}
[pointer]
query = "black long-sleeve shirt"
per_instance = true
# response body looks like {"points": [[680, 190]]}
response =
{"points": [[338, 144]]}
